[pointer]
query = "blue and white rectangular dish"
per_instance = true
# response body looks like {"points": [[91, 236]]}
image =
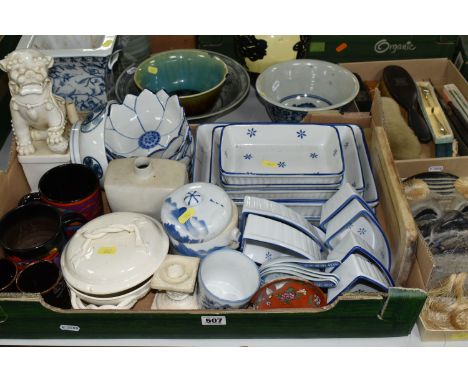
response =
{"points": [[281, 154]]}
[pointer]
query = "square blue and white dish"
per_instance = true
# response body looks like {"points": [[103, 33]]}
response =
{"points": [[363, 223], [345, 195], [265, 232], [359, 274], [281, 213], [352, 243], [370, 194], [281, 154]]}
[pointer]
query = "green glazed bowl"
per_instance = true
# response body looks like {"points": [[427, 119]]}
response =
{"points": [[195, 76]]}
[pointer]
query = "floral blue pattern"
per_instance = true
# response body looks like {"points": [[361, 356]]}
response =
{"points": [[94, 165], [313, 155], [278, 114], [149, 140], [282, 164], [93, 119], [248, 156], [81, 80]]}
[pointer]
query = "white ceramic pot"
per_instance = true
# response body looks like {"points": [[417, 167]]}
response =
{"points": [[141, 184], [200, 218], [114, 253]]}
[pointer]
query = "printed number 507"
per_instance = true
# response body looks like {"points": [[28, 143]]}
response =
{"points": [[213, 320]]}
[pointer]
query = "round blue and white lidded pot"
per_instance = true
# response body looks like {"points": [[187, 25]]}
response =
{"points": [[196, 212]]}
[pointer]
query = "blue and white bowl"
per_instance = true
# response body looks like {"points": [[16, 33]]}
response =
{"points": [[145, 125], [292, 89], [152, 125], [227, 279]]}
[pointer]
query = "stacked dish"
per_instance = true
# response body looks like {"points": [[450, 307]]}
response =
{"points": [[149, 124], [298, 165]]}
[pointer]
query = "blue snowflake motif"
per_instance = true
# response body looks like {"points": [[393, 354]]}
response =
{"points": [[362, 231], [248, 156], [313, 155], [335, 151], [268, 255], [346, 145], [301, 134], [192, 198], [282, 164], [251, 132]]}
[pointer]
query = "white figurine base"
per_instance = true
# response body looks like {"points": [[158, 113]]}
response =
{"points": [[35, 165]]}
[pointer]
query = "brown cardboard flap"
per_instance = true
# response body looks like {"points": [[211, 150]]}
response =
{"points": [[13, 183], [397, 211]]}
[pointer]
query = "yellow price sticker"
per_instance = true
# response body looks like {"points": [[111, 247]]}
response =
{"points": [[107, 250], [107, 43], [152, 69], [186, 215], [269, 163]]}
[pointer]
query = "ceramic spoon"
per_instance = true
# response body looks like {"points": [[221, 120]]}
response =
{"points": [[402, 88]]}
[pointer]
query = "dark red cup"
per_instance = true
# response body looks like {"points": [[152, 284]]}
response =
{"points": [[45, 278], [71, 188], [8, 273], [35, 231]]}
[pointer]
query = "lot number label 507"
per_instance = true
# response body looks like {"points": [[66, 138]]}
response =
{"points": [[213, 320]]}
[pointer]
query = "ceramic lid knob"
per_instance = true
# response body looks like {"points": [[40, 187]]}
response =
{"points": [[196, 212]]}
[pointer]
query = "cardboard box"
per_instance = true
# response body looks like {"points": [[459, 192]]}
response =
{"points": [[26, 316], [439, 70], [442, 265], [461, 56], [373, 48]]}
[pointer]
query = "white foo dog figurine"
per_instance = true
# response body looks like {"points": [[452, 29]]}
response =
{"points": [[36, 113]]}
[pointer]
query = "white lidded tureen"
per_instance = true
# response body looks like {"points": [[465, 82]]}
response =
{"points": [[200, 218], [113, 257]]}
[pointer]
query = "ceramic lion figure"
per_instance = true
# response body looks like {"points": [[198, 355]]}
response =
{"points": [[36, 113]]}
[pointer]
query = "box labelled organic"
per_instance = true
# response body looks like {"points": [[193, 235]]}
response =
{"points": [[372, 48]]}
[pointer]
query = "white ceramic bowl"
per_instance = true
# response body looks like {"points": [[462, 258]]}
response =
{"points": [[114, 253], [292, 89], [145, 125], [227, 279]]}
